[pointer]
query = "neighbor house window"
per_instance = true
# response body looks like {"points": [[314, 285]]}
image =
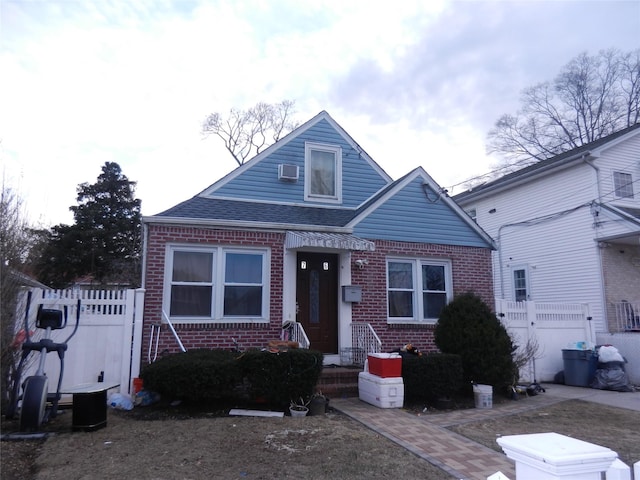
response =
{"points": [[323, 173], [520, 285], [417, 289], [217, 283], [473, 214], [623, 184]]}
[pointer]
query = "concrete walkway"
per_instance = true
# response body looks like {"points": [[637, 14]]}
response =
{"points": [[427, 436]]}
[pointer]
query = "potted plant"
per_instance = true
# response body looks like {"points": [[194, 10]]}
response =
{"points": [[318, 404], [299, 408]]}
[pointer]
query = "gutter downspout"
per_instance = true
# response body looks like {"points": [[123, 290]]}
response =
{"points": [[603, 293], [145, 234]]}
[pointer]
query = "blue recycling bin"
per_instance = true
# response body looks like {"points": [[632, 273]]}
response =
{"points": [[579, 367]]}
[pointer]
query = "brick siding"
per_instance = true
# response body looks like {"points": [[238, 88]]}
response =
{"points": [[471, 269]]}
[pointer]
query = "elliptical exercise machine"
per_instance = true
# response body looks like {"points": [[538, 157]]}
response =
{"points": [[35, 388]]}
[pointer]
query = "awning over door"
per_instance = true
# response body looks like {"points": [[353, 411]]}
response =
{"points": [[337, 241]]}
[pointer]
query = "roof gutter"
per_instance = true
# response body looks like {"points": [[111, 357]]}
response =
{"points": [[213, 223], [518, 179]]}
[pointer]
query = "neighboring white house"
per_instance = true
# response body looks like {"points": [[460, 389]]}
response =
{"points": [[567, 229]]}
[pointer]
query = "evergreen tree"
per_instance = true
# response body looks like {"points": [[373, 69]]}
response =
{"points": [[105, 241]]}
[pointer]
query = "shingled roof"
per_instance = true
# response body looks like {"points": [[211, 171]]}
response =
{"points": [[543, 165], [215, 209]]}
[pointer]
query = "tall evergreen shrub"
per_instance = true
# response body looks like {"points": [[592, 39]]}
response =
{"points": [[469, 328]]}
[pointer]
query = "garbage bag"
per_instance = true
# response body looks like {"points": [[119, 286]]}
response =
{"points": [[609, 353], [119, 402], [611, 376]]}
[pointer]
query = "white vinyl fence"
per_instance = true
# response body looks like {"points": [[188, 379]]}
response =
{"points": [[550, 326], [108, 340]]}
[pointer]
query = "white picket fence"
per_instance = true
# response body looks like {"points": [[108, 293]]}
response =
{"points": [[108, 340], [552, 326]]}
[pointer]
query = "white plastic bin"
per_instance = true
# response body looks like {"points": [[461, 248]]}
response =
{"points": [[483, 396], [381, 392]]}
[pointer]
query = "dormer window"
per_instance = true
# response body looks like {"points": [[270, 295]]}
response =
{"points": [[323, 173]]}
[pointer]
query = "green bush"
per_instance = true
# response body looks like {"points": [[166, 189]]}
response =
{"points": [[469, 328], [205, 375], [432, 376], [196, 375], [281, 377]]}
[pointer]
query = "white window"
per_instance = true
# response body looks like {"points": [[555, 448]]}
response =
{"points": [[520, 284], [417, 289], [323, 173], [623, 184], [216, 284]]}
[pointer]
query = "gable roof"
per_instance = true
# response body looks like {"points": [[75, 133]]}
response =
{"points": [[323, 115], [413, 208], [561, 161], [240, 213], [431, 191]]}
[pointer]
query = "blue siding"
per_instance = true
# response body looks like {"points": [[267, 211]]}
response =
{"points": [[260, 182], [409, 216]]}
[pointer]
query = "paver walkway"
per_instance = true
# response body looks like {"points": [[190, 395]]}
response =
{"points": [[426, 436]]}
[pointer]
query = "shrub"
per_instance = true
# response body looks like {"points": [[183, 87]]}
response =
{"points": [[196, 375], [469, 328], [205, 375], [280, 377], [432, 376]]}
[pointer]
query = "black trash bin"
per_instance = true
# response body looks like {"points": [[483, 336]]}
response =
{"points": [[579, 367]]}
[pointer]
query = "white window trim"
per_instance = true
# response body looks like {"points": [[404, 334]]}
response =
{"points": [[337, 151], [218, 284], [527, 279], [418, 306], [623, 188]]}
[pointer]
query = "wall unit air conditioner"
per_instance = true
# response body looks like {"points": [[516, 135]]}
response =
{"points": [[287, 172]]}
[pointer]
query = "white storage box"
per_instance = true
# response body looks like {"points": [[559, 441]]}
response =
{"points": [[381, 392]]}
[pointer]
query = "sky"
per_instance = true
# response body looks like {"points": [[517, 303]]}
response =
{"points": [[415, 83]]}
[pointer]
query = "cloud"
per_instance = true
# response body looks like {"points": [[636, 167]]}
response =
{"points": [[414, 82]]}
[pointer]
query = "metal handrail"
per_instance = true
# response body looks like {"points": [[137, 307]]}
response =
{"points": [[365, 340], [627, 316], [299, 335]]}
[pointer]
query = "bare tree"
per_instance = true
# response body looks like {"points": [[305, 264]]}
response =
{"points": [[247, 132], [14, 244], [592, 97]]}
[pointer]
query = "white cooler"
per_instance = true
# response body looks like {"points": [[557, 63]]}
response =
{"points": [[381, 392]]}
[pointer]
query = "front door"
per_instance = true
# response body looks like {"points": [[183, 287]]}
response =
{"points": [[317, 298]]}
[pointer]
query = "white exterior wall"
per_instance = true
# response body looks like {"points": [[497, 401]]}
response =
{"points": [[621, 157], [559, 239], [553, 239]]}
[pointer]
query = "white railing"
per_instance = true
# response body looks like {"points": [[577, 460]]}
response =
{"points": [[627, 317], [299, 335], [365, 341]]}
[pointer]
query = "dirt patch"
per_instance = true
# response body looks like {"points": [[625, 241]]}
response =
{"points": [[610, 427], [171, 444]]}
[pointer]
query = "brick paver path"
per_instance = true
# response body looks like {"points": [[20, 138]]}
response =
{"points": [[426, 436]]}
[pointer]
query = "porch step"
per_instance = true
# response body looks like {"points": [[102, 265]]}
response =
{"points": [[339, 382]]}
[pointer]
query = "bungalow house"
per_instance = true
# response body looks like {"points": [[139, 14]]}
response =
{"points": [[314, 236], [567, 230]]}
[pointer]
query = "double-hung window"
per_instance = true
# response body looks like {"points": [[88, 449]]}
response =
{"points": [[417, 289], [323, 173], [217, 284], [623, 184], [520, 284]]}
